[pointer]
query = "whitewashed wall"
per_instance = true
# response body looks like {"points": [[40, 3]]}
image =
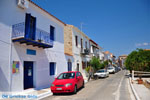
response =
{"points": [[77, 50], [12, 14]]}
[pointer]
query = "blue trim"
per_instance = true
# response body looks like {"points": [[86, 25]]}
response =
{"points": [[52, 34], [31, 52], [27, 25], [34, 28], [32, 42], [52, 66]]}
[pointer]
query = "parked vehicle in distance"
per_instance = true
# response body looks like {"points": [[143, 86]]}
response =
{"points": [[111, 70], [117, 69], [102, 73], [67, 82]]}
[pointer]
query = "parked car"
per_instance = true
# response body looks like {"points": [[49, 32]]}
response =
{"points": [[111, 70], [67, 82], [102, 73], [117, 69]]}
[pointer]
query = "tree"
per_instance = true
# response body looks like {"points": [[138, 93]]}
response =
{"points": [[138, 60], [95, 63]]}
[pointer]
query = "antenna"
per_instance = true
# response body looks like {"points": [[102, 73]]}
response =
{"points": [[81, 25]]}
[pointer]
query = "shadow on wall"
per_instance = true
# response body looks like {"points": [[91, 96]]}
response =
{"points": [[4, 84], [52, 78], [41, 78]]}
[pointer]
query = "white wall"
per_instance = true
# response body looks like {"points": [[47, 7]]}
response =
{"points": [[12, 14], [77, 50]]}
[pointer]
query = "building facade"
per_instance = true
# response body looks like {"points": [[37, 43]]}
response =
{"points": [[32, 46], [78, 47]]}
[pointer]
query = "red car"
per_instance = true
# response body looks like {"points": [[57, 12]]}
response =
{"points": [[67, 82]]}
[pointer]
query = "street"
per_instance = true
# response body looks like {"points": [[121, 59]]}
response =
{"points": [[115, 87]]}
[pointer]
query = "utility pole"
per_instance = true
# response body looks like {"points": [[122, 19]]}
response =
{"points": [[81, 25]]}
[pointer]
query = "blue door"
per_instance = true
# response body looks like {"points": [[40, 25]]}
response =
{"points": [[28, 74]]}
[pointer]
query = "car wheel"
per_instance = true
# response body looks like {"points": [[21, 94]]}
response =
{"points": [[75, 89], [54, 93]]}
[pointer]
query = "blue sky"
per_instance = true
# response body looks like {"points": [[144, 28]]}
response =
{"points": [[118, 26]]}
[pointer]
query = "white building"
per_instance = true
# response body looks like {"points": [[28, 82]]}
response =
{"points": [[79, 48], [32, 46]]}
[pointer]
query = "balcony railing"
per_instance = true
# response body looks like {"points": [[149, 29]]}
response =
{"points": [[85, 51], [42, 38]]}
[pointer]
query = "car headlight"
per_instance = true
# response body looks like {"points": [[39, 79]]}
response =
{"points": [[68, 84], [52, 85]]}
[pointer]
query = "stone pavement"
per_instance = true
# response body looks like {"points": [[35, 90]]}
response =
{"points": [[142, 91]]}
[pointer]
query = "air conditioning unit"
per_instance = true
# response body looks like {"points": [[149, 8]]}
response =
{"points": [[23, 4]]}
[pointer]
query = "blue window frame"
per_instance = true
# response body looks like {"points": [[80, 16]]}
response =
{"points": [[31, 52], [52, 33], [52, 66], [30, 26], [69, 66]]}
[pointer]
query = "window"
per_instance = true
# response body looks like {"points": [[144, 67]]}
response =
{"points": [[76, 40], [86, 44], [66, 76], [69, 66], [81, 43], [52, 66], [30, 26], [52, 33]]}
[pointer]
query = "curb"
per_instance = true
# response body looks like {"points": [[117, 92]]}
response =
{"points": [[133, 90], [44, 95]]}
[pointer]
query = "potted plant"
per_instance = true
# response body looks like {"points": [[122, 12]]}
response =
{"points": [[140, 80]]}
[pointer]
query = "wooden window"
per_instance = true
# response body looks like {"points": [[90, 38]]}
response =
{"points": [[76, 40]]}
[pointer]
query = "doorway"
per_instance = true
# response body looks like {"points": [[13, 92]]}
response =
{"points": [[28, 74], [77, 66]]}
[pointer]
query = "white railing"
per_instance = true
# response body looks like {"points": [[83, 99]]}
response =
{"points": [[139, 74]]}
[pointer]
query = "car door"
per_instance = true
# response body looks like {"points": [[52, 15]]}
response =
{"points": [[81, 79], [78, 80]]}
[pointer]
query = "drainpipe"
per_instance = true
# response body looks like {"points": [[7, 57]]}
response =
{"points": [[10, 59]]}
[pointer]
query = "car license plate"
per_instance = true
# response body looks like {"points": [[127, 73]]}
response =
{"points": [[59, 89]]}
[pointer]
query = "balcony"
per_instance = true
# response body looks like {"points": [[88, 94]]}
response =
{"points": [[85, 51], [41, 37]]}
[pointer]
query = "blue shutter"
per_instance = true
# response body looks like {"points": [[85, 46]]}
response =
{"points": [[52, 68], [69, 66], [27, 26], [52, 32], [34, 28]]}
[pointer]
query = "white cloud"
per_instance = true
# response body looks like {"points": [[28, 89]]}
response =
{"points": [[142, 44]]}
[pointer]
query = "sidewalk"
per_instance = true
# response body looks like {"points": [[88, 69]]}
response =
{"points": [[142, 93], [29, 94]]}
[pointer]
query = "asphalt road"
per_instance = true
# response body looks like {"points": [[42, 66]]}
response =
{"points": [[115, 87]]}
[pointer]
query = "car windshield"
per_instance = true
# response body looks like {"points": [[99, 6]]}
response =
{"points": [[100, 71], [110, 68], [66, 76]]}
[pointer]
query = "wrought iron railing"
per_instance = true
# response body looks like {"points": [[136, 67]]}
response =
{"points": [[18, 31]]}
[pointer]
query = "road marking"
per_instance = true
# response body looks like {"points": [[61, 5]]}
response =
{"points": [[117, 93]]}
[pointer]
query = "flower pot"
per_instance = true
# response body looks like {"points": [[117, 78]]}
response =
{"points": [[140, 81]]}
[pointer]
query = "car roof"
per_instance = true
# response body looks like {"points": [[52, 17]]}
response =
{"points": [[70, 72]]}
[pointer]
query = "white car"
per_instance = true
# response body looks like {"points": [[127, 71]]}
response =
{"points": [[102, 73], [111, 69]]}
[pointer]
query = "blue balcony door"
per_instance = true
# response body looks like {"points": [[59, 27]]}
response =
{"points": [[28, 74], [30, 27]]}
